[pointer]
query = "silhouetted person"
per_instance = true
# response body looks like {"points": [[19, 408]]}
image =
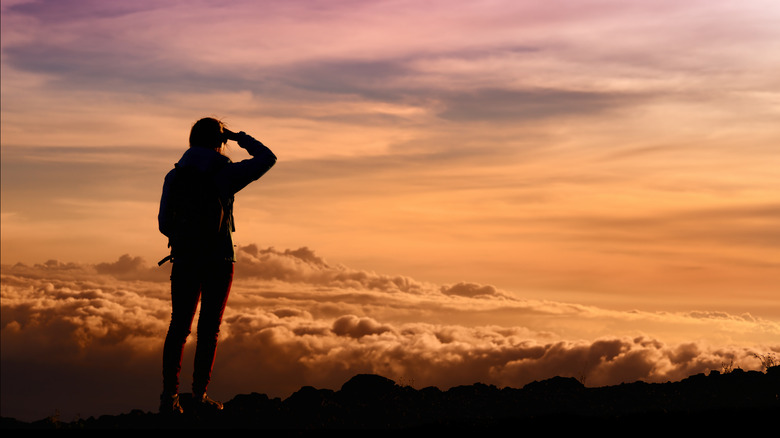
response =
{"points": [[196, 214]]}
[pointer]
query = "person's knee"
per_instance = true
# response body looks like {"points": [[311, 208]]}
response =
{"points": [[178, 332], [208, 332]]}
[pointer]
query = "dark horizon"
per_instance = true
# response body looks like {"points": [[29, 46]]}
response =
{"points": [[367, 401]]}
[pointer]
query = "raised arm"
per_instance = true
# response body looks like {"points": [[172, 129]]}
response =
{"points": [[236, 176]]}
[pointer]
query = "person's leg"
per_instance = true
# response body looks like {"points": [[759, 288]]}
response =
{"points": [[185, 292], [214, 295]]}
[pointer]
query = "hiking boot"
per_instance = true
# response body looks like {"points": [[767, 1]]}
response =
{"points": [[170, 405], [204, 402]]}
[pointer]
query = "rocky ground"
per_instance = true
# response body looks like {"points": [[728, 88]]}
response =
{"points": [[747, 399]]}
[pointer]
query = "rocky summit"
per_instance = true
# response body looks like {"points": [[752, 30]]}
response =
{"points": [[367, 401]]}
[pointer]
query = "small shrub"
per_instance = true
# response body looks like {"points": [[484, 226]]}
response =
{"points": [[767, 360], [728, 367]]}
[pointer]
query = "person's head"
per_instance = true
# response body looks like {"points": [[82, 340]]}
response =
{"points": [[208, 133]]}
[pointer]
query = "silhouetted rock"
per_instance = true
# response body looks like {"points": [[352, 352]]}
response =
{"points": [[374, 402], [368, 386]]}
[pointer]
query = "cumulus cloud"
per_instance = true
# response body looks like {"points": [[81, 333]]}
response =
{"points": [[303, 266], [351, 325], [294, 319], [471, 290], [131, 268]]}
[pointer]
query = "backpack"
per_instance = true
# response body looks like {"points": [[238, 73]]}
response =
{"points": [[197, 215]]}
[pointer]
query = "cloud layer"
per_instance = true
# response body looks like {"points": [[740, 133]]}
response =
{"points": [[87, 339]]}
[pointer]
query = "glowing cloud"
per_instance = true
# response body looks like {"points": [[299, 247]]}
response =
{"points": [[295, 320]]}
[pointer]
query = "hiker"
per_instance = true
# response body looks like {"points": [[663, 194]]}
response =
{"points": [[196, 214]]}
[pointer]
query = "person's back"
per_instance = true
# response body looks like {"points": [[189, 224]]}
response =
{"points": [[199, 216], [196, 214]]}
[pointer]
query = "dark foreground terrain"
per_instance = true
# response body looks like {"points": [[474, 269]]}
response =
{"points": [[747, 399]]}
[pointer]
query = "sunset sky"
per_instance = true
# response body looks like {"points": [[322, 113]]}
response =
{"points": [[495, 191]]}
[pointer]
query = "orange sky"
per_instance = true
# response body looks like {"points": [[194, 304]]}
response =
{"points": [[611, 157]]}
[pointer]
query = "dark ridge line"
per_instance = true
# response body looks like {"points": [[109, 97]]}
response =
{"points": [[368, 401]]}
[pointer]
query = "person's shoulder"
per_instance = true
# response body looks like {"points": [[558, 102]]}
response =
{"points": [[203, 159]]}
